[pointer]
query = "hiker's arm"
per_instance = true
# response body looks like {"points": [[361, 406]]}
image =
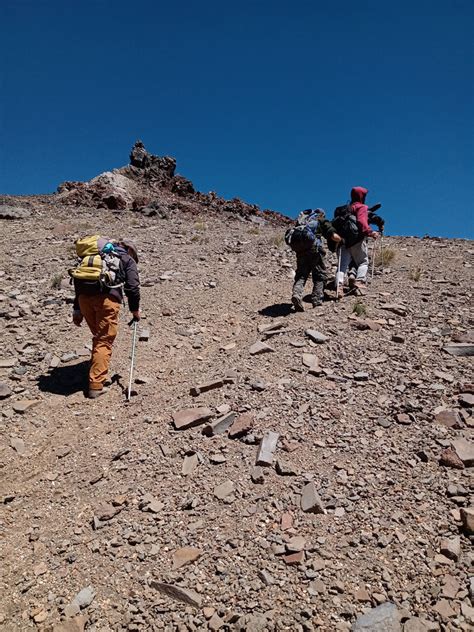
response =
{"points": [[327, 230], [362, 215], [376, 220], [132, 285]]}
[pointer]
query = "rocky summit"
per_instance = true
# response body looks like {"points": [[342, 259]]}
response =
{"points": [[272, 470]]}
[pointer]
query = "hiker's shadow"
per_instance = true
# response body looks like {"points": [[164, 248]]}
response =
{"points": [[277, 310], [65, 380]]}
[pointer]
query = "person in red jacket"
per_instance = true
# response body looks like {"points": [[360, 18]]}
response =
{"points": [[358, 251]]}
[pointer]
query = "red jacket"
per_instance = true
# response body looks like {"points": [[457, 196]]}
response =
{"points": [[361, 210]]}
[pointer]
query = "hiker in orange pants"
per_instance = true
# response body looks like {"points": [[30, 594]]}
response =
{"points": [[101, 310], [101, 314]]}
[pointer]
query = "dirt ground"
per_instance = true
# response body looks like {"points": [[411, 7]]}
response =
{"points": [[109, 497]]}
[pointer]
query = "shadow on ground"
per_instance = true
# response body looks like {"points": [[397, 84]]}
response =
{"points": [[65, 380], [276, 310]]}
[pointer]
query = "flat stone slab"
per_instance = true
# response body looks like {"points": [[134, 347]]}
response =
{"points": [[206, 386], [190, 417], [460, 349], [22, 405], [178, 593], [465, 451], [185, 555], [7, 363], [224, 489], [260, 347], [384, 618], [395, 308], [467, 518], [449, 418], [316, 336], [267, 448], [220, 425]]}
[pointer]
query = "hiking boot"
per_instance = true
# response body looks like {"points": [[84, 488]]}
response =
{"points": [[359, 288], [298, 303], [94, 393], [352, 283], [317, 302]]}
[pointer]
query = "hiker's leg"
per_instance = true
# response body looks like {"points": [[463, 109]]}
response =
{"points": [[345, 261], [303, 268], [87, 306], [319, 277], [360, 254], [107, 324]]}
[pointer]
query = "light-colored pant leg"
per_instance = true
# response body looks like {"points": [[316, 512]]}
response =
{"points": [[346, 257], [360, 254]]}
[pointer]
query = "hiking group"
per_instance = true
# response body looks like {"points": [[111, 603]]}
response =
{"points": [[107, 270], [346, 234]]}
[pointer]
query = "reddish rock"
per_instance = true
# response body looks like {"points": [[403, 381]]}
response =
{"points": [[449, 458], [294, 558], [241, 426], [190, 417]]}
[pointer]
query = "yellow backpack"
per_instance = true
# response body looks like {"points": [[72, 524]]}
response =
{"points": [[98, 263]]}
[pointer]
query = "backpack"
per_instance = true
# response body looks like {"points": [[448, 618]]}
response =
{"points": [[99, 265], [345, 224], [300, 238]]}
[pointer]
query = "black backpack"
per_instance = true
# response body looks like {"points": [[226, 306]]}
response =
{"points": [[345, 224]]}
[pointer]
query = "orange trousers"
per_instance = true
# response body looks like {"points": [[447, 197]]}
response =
{"points": [[101, 314]]}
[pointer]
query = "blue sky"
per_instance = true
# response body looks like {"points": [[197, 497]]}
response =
{"points": [[284, 104]]}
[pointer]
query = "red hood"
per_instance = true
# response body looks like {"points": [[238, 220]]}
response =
{"points": [[358, 195]]}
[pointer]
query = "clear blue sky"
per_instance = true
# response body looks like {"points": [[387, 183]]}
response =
{"points": [[284, 104]]}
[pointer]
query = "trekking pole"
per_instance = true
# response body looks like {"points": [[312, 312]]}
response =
{"points": [[133, 323], [339, 255], [373, 262], [381, 249]]}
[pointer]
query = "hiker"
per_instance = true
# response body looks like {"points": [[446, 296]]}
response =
{"points": [[376, 220], [305, 240], [351, 221], [99, 302]]}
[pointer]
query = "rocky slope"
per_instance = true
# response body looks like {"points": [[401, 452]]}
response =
{"points": [[145, 516]]}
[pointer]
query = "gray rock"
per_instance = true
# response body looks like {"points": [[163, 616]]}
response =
{"points": [[451, 547], [5, 390], [465, 451], [260, 347], [220, 425], [383, 618], [267, 448], [256, 474], [461, 349], [18, 445], [144, 335], [415, 625], [310, 500], [13, 212], [224, 489], [84, 597], [316, 336]]}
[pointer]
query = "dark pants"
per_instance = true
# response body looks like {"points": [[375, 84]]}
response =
{"points": [[310, 262]]}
